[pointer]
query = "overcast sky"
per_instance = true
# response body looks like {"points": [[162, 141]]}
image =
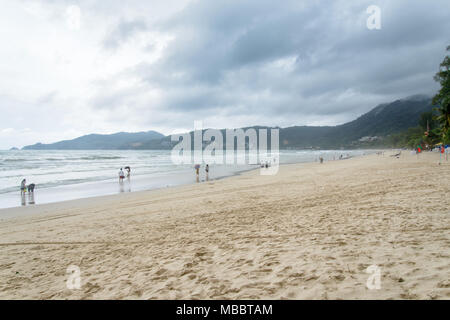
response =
{"points": [[69, 68]]}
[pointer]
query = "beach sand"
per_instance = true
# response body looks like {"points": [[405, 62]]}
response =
{"points": [[309, 232]]}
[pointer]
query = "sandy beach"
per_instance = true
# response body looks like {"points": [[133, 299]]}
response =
{"points": [[309, 232]]}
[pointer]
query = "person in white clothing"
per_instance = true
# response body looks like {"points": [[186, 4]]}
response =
{"points": [[121, 175]]}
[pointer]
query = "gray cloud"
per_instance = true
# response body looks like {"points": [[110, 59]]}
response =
{"points": [[222, 55], [122, 32], [241, 63]]}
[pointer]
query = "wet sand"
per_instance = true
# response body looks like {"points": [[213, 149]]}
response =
{"points": [[309, 232]]}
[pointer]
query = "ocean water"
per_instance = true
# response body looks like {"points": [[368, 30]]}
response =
{"points": [[66, 175]]}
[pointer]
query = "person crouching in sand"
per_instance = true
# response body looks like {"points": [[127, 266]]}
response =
{"points": [[31, 188]]}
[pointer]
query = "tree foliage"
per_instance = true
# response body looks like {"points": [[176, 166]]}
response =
{"points": [[442, 98]]}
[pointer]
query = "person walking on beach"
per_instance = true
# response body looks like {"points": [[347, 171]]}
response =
{"points": [[197, 172], [23, 186], [121, 175], [128, 172], [321, 159], [207, 172]]}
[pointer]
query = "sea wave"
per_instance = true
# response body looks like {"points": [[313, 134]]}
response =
{"points": [[16, 160], [99, 158], [10, 189]]}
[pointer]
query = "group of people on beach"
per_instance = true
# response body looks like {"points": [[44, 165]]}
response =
{"points": [[341, 157], [265, 164], [197, 172], [23, 190], [122, 173], [24, 187]]}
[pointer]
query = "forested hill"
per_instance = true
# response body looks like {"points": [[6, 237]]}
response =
{"points": [[383, 120], [100, 141]]}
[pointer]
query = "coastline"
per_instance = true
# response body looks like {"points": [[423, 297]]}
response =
{"points": [[37, 209], [138, 183], [309, 232]]}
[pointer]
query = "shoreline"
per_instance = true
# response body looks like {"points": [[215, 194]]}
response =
{"points": [[41, 208], [10, 212], [139, 183], [44, 208]]}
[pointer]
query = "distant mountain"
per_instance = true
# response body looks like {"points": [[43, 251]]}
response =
{"points": [[100, 141], [382, 121]]}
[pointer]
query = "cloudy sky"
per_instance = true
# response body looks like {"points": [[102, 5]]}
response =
{"points": [[69, 67]]}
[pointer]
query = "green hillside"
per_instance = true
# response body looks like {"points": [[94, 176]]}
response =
{"points": [[373, 129], [369, 130], [100, 141]]}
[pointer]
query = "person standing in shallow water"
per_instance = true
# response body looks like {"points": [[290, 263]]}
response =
{"points": [[23, 186], [197, 172], [121, 175]]}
